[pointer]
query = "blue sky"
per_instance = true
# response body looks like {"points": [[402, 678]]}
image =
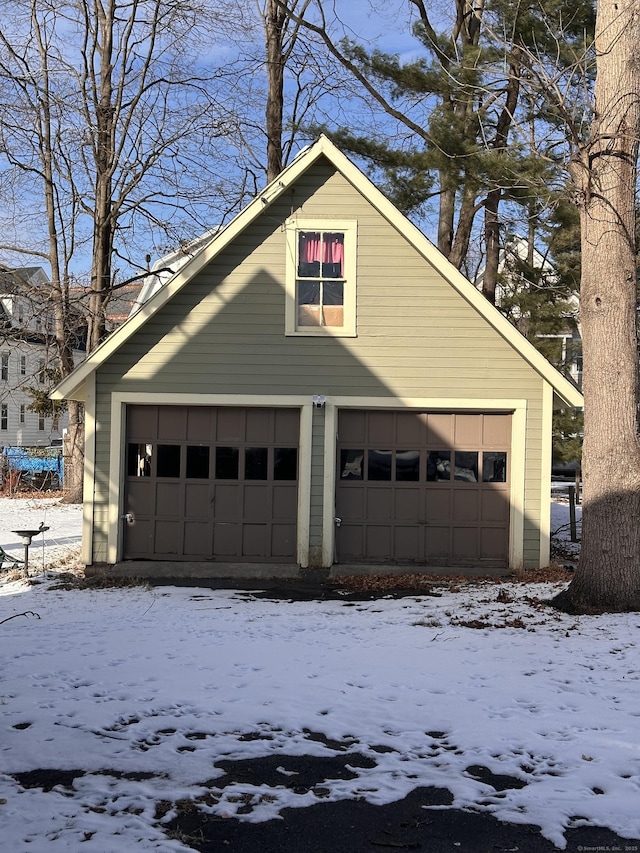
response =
{"points": [[381, 23]]}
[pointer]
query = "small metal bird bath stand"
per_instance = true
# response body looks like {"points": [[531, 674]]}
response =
{"points": [[27, 536]]}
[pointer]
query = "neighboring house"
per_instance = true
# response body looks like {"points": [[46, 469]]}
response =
{"points": [[122, 300], [317, 387], [166, 267], [27, 351]]}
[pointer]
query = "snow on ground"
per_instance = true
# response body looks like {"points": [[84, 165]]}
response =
{"points": [[141, 692], [58, 548], [562, 546]]}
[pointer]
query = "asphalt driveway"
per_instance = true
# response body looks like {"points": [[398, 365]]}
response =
{"points": [[355, 826]]}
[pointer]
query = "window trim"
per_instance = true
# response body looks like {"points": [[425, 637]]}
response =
{"points": [[349, 228]]}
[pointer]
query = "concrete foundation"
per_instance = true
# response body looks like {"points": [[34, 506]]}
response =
{"points": [[183, 570]]}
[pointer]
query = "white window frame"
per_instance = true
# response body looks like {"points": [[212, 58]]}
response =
{"points": [[350, 230]]}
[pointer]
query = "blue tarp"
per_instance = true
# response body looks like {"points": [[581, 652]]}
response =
{"points": [[34, 461]]}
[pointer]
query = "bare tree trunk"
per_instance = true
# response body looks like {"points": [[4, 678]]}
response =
{"points": [[492, 244], [73, 454], [274, 21], [608, 574], [104, 153], [281, 29], [466, 217], [446, 213], [74, 443], [494, 196]]}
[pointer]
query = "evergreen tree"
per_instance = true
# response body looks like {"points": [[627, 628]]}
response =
{"points": [[538, 293], [460, 114]]}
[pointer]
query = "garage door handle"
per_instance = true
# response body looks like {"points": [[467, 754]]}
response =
{"points": [[338, 521], [128, 517]]}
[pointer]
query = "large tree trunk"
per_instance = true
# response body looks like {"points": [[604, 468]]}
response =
{"points": [[608, 574]]}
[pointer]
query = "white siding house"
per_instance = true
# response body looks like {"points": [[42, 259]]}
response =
{"points": [[27, 351]]}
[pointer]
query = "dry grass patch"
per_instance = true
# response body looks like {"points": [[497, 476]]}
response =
{"points": [[423, 584], [97, 580]]}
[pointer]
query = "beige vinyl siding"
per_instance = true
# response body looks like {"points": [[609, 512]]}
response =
{"points": [[417, 337]]}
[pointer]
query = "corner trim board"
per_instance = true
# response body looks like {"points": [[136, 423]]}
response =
{"points": [[89, 472]]}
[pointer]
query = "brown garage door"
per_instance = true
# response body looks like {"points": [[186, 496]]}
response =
{"points": [[211, 483], [423, 488]]}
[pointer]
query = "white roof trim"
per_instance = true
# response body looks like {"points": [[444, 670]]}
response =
{"points": [[71, 386]]}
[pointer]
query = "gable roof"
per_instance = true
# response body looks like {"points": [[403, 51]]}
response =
{"points": [[71, 387]]}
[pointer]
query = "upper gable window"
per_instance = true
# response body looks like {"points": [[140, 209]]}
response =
{"points": [[321, 278]]}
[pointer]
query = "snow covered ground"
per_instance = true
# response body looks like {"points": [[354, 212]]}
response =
{"points": [[140, 692], [58, 548]]}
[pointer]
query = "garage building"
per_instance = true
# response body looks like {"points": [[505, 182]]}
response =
{"points": [[317, 387]]}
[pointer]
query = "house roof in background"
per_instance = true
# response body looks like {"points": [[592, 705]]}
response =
{"points": [[12, 280], [167, 266]]}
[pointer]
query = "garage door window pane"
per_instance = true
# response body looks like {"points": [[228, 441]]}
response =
{"points": [[351, 464], [197, 462], [227, 463], [438, 466], [466, 466], [494, 467], [168, 460], [139, 460], [285, 463], [256, 463], [408, 466], [379, 464]]}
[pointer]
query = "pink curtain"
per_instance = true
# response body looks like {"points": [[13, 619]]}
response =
{"points": [[334, 250], [309, 247], [326, 247]]}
